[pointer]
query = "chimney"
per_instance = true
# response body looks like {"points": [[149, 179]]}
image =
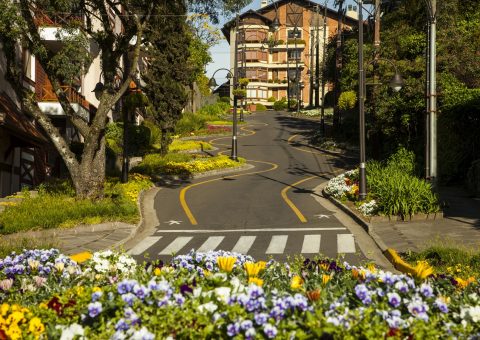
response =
{"points": [[263, 3], [352, 11]]}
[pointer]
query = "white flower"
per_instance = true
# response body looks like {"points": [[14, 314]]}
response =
{"points": [[208, 307], [368, 208], [223, 293], [59, 266], [74, 331], [472, 313]]}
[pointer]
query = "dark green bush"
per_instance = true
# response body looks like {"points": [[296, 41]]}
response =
{"points": [[398, 192], [280, 105], [138, 138], [225, 100]]}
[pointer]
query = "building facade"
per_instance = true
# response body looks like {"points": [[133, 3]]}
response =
{"points": [[282, 63]]}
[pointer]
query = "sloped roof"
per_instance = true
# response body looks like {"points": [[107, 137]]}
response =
{"points": [[18, 124], [305, 3]]}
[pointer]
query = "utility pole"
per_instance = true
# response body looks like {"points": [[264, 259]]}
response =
{"points": [[324, 57], [288, 79], [235, 97], [361, 103], [317, 58], [432, 9], [376, 143], [313, 37], [338, 66]]}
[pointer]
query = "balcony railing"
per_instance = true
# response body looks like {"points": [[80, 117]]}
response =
{"points": [[56, 20], [46, 94]]}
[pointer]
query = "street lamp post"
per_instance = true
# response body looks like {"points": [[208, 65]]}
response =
{"points": [[213, 84]]}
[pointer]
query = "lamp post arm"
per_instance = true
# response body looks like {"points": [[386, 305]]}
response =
{"points": [[222, 69]]}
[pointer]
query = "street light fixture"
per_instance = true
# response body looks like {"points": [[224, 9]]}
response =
{"points": [[212, 83]]}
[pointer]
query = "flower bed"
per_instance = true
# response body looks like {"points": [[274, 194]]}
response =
{"points": [[227, 295], [393, 189], [188, 145]]}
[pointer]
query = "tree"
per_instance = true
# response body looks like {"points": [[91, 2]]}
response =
{"points": [[19, 29], [168, 72]]}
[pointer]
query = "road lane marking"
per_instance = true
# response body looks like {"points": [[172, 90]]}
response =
{"points": [[345, 243], [146, 243], [183, 192], [176, 245], [206, 231], [311, 244], [290, 203], [277, 244], [244, 244], [211, 243]]}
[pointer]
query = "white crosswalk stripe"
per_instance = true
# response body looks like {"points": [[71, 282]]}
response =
{"points": [[176, 245], [277, 244], [211, 243], [244, 244], [144, 245], [345, 243], [311, 244]]}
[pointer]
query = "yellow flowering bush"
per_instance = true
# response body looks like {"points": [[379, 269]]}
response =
{"points": [[188, 145], [199, 165], [17, 322]]}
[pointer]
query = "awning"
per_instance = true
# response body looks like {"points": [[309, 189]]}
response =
{"points": [[15, 122]]}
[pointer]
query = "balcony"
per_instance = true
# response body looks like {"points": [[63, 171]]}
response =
{"points": [[49, 104]]}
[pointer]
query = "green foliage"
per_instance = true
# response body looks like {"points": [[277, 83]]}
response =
{"points": [[395, 188], [139, 137], [280, 105], [260, 107], [240, 93], [243, 82], [21, 242], [225, 100], [271, 100], [347, 100], [293, 104]]}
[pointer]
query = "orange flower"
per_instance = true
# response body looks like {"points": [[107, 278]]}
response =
{"points": [[314, 295]]}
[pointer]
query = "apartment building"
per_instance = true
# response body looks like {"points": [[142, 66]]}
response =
{"points": [[273, 59], [26, 155]]}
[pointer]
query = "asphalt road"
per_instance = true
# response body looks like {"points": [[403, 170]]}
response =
{"points": [[268, 210]]}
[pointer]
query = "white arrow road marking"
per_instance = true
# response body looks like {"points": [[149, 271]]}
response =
{"points": [[320, 216], [171, 222]]}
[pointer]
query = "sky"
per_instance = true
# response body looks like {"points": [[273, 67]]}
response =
{"points": [[221, 52]]}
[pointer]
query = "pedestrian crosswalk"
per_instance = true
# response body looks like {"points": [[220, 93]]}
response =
{"points": [[246, 244]]}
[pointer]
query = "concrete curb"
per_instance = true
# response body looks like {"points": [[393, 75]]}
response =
{"points": [[365, 225]]}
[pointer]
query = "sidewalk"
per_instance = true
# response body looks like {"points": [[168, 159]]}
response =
{"points": [[460, 225]]}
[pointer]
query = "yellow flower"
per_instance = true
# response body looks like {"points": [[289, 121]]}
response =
{"points": [[422, 270], [81, 257], [16, 318], [252, 269], [372, 268], [262, 265], [43, 305], [324, 266], [325, 279], [14, 332], [157, 271], [296, 282], [4, 309], [255, 280], [97, 289], [36, 327], [444, 299], [225, 263], [206, 273]]}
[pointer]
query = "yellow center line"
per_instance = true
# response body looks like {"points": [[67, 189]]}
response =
{"points": [[183, 192], [290, 203]]}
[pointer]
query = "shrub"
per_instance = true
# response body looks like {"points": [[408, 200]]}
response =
{"points": [[271, 100], [183, 165], [347, 100], [280, 105], [225, 100], [240, 93], [138, 138], [293, 104], [260, 107], [188, 145], [190, 122]]}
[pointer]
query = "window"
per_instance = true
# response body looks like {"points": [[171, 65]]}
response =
{"points": [[292, 34], [294, 54]]}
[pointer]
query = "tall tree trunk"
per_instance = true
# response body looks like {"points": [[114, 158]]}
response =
{"points": [[164, 141], [90, 178]]}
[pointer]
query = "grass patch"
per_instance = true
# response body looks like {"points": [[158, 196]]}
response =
{"points": [[19, 243], [188, 145], [59, 208], [449, 258], [184, 165]]}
